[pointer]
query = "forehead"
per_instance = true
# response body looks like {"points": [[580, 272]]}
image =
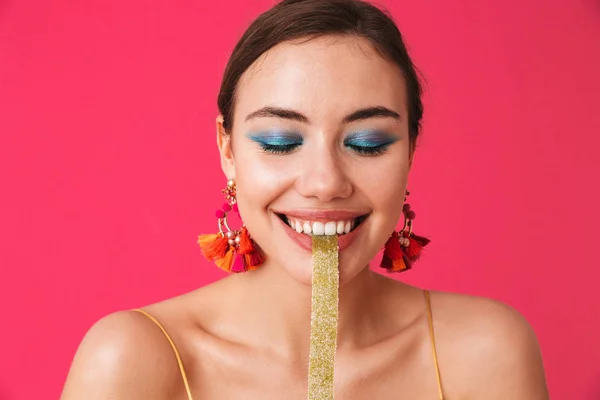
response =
{"points": [[325, 77]]}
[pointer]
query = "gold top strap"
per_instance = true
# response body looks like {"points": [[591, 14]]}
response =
{"points": [[181, 369], [432, 337]]}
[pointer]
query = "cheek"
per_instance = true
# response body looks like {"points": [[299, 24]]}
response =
{"points": [[384, 183], [259, 179]]}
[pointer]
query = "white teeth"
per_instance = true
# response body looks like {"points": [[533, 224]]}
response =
{"points": [[318, 228], [330, 228], [306, 228]]}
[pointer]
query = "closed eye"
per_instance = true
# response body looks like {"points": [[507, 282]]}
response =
{"points": [[369, 142], [277, 142], [369, 150], [279, 149]]}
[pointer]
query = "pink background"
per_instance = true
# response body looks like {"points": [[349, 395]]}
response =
{"points": [[109, 169]]}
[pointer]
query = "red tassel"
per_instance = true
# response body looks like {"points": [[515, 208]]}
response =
{"points": [[423, 241], [386, 262], [254, 260], [213, 246], [393, 249], [226, 261], [392, 259], [246, 246], [408, 263], [413, 251]]}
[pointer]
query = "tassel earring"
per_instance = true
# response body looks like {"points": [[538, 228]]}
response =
{"points": [[231, 250], [403, 248]]}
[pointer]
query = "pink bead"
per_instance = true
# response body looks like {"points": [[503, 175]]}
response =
{"points": [[406, 207], [235, 208], [411, 215], [220, 214], [226, 207]]}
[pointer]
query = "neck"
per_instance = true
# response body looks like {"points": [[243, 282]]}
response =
{"points": [[268, 303]]}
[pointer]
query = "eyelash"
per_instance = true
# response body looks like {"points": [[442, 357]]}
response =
{"points": [[288, 148], [370, 150], [279, 148]]}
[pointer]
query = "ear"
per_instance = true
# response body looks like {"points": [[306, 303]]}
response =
{"points": [[225, 149], [411, 154]]}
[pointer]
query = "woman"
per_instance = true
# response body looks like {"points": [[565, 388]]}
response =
{"points": [[320, 113]]}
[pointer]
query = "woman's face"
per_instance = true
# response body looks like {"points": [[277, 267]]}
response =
{"points": [[319, 144]]}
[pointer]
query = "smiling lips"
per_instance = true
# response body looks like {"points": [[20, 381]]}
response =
{"points": [[329, 228], [301, 225]]}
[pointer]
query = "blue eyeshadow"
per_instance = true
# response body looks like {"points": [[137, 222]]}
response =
{"points": [[370, 138], [276, 138]]}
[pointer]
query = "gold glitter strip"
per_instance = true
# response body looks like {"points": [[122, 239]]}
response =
{"points": [[323, 317]]}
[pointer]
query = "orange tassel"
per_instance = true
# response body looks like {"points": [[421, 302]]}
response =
{"points": [[213, 246], [400, 264], [226, 261], [246, 246]]}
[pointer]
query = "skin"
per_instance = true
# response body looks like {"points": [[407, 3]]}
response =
{"points": [[247, 336]]}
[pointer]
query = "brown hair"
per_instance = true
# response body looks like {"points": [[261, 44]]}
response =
{"points": [[296, 19]]}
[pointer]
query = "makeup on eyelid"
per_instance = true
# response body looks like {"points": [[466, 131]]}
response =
{"points": [[276, 138], [370, 138], [366, 142], [365, 138]]}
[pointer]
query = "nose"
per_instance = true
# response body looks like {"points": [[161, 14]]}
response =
{"points": [[322, 177]]}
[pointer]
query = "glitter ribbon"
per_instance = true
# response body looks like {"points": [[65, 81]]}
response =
{"points": [[323, 317]]}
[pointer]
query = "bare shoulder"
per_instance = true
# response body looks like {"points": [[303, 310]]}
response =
{"points": [[486, 349], [123, 356]]}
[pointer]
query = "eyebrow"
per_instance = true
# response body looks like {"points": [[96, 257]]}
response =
{"points": [[358, 115]]}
